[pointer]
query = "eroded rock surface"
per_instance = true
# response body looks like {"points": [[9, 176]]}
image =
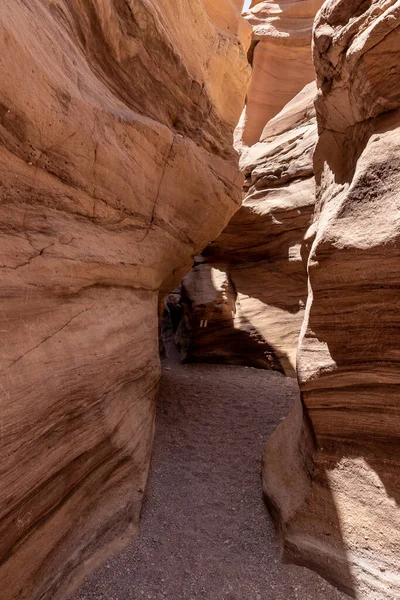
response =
{"points": [[116, 166], [335, 487], [281, 59], [245, 303]]}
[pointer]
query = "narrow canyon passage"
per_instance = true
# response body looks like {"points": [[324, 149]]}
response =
{"points": [[205, 531], [244, 166]]}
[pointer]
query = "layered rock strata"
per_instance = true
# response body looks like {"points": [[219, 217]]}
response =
{"points": [[331, 471], [245, 302], [280, 54], [116, 167]]}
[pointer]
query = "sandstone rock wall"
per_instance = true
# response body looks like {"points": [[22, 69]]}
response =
{"points": [[331, 471], [280, 55], [252, 289], [116, 167]]}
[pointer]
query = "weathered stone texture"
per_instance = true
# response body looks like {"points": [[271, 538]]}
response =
{"points": [[336, 496], [255, 319], [116, 166]]}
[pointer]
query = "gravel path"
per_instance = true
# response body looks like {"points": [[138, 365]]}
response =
{"points": [[205, 531]]}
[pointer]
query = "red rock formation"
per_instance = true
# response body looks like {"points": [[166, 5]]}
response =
{"points": [[116, 166], [331, 471], [253, 288], [281, 59]]}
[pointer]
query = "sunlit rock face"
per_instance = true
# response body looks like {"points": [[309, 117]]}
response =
{"points": [[332, 473], [116, 168], [281, 59], [252, 287], [255, 318]]}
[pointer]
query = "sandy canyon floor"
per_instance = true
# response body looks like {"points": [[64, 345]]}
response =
{"points": [[205, 531]]}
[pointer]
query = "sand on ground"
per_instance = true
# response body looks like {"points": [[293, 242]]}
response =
{"points": [[205, 531]]}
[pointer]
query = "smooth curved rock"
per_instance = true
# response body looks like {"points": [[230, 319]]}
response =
{"points": [[252, 289], [255, 318], [281, 60], [331, 471], [116, 167]]}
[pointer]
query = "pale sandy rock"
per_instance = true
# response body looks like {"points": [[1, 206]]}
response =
{"points": [[332, 474], [116, 167], [281, 59], [259, 253], [226, 15]]}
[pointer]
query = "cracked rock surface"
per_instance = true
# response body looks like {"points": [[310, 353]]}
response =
{"points": [[116, 166]]}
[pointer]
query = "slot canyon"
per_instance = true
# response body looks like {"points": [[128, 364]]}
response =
{"points": [[200, 308]]}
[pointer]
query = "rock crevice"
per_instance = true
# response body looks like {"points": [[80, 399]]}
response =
{"points": [[260, 249]]}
